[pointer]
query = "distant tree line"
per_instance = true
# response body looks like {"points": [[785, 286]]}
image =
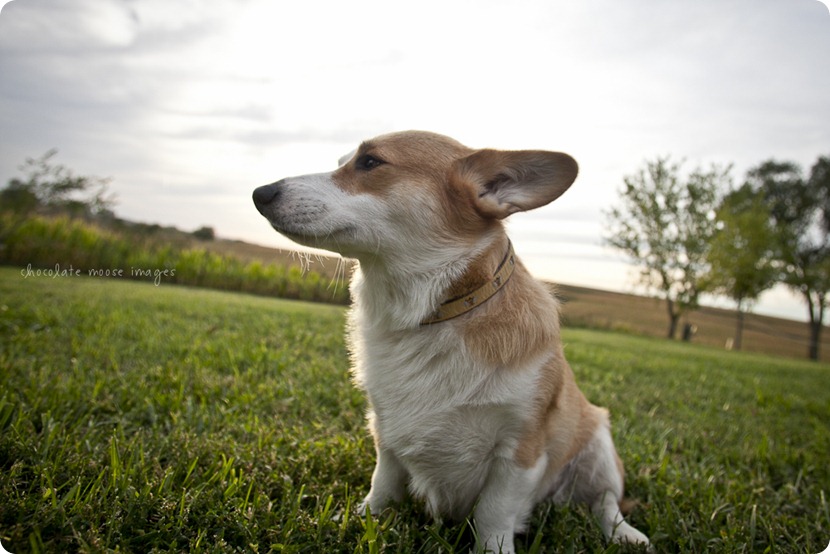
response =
{"points": [[698, 233]]}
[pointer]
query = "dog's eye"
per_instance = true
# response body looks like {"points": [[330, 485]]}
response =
{"points": [[368, 163]]}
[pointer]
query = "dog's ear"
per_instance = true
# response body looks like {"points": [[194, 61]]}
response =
{"points": [[507, 182], [346, 158]]}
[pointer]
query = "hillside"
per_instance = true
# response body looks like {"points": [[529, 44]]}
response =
{"points": [[591, 308], [583, 307]]}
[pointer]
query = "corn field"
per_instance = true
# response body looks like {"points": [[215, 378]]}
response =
{"points": [[64, 247]]}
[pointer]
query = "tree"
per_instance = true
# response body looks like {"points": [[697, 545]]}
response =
{"points": [[800, 212], [51, 188], [742, 251], [204, 233], [664, 224]]}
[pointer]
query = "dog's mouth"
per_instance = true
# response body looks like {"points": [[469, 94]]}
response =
{"points": [[304, 232], [335, 241]]}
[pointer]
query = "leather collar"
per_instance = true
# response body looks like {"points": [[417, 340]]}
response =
{"points": [[460, 305]]}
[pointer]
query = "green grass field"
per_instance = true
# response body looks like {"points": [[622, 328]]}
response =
{"points": [[136, 418]]}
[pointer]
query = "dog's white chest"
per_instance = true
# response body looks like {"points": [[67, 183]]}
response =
{"points": [[444, 416]]}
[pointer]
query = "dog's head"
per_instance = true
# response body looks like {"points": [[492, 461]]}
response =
{"points": [[412, 192]]}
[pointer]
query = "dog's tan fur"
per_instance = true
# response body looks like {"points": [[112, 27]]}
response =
{"points": [[480, 412]]}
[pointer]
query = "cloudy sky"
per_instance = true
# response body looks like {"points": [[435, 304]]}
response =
{"points": [[188, 106]]}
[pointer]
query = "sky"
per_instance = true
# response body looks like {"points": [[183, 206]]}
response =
{"points": [[188, 106]]}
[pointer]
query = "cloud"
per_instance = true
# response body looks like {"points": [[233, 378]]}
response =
{"points": [[35, 26]]}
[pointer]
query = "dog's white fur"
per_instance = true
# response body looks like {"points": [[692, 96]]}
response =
{"points": [[479, 414]]}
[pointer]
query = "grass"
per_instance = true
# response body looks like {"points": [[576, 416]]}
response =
{"points": [[136, 418]]}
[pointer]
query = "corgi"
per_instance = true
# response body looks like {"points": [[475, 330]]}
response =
{"points": [[472, 405]]}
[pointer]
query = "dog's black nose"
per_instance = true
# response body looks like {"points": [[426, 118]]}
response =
{"points": [[265, 195]]}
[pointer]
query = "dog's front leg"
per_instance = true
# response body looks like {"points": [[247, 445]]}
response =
{"points": [[388, 483], [505, 503]]}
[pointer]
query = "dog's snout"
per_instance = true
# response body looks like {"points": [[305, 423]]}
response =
{"points": [[265, 195]]}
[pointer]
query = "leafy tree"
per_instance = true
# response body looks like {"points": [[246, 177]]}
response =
{"points": [[204, 233], [50, 188], [18, 198], [800, 211], [742, 251], [665, 223]]}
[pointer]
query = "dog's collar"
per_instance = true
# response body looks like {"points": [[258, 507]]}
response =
{"points": [[463, 304]]}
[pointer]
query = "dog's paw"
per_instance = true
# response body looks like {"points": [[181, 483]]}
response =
{"points": [[626, 534], [495, 547], [372, 505], [363, 507]]}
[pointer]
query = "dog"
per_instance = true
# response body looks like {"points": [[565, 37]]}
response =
{"points": [[472, 405]]}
